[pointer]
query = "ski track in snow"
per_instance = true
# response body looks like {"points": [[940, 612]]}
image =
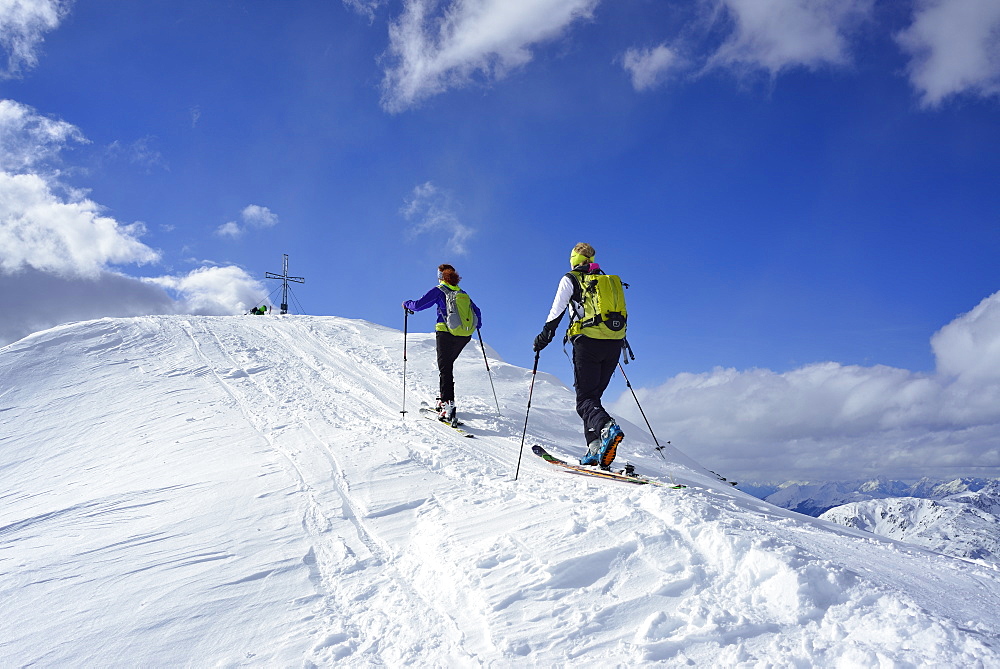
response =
{"points": [[245, 491], [325, 485]]}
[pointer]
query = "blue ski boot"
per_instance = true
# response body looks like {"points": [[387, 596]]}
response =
{"points": [[592, 459], [611, 436]]}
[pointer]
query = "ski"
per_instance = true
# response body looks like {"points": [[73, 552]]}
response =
{"points": [[659, 449], [600, 473], [723, 478], [431, 414]]}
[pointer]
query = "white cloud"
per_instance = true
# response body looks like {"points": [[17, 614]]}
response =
{"points": [[230, 229], [214, 291], [969, 346], [29, 140], [43, 224], [828, 421], [649, 67], [758, 35], [63, 236], [253, 216], [42, 300], [58, 248], [432, 211], [431, 51], [954, 46], [778, 34], [259, 217], [22, 24], [139, 152], [366, 8], [437, 45]]}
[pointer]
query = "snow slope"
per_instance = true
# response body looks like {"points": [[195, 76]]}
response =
{"points": [[243, 491]]}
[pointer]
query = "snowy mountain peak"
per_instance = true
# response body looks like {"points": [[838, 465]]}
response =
{"points": [[245, 491]]}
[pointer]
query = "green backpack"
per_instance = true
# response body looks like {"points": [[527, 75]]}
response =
{"points": [[459, 318], [602, 297]]}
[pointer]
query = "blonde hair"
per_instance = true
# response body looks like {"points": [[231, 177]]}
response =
{"points": [[584, 249]]}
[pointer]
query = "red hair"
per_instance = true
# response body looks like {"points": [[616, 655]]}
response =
{"points": [[448, 274]]}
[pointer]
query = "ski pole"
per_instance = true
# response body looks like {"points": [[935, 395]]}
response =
{"points": [[483, 346], [659, 449], [406, 322], [531, 390]]}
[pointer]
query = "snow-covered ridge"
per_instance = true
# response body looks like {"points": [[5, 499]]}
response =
{"points": [[244, 491]]}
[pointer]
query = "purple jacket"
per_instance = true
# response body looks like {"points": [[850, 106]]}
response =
{"points": [[434, 297]]}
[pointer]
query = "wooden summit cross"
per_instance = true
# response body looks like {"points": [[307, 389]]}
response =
{"points": [[284, 283]]}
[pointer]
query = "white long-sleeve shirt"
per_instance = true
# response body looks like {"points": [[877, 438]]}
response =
{"points": [[562, 299]]}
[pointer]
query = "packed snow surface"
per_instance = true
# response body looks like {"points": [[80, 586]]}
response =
{"points": [[244, 491]]}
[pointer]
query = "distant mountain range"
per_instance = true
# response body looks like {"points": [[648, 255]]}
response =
{"points": [[813, 499], [965, 525], [960, 517]]}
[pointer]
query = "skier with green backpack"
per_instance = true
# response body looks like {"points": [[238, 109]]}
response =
{"points": [[597, 318], [457, 318]]}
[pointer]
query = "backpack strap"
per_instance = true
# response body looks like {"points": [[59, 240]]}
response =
{"points": [[577, 296], [576, 277], [578, 291], [443, 311], [575, 299], [627, 351]]}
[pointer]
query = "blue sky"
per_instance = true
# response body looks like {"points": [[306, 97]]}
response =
{"points": [[783, 183]]}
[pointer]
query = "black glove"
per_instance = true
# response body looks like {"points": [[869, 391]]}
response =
{"points": [[543, 338]]}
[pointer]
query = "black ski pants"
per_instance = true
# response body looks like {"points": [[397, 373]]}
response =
{"points": [[594, 363], [448, 348]]}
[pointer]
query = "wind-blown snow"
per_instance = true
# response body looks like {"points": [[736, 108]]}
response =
{"points": [[244, 491]]}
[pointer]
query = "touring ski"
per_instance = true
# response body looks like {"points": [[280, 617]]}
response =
{"points": [[600, 473], [433, 415]]}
